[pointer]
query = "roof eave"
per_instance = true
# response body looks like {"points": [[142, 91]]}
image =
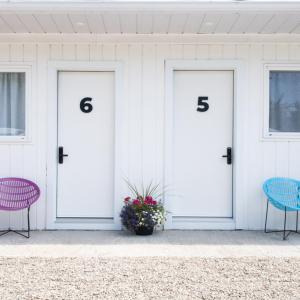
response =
{"points": [[145, 6]]}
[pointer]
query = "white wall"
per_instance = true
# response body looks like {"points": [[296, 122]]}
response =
{"points": [[144, 96]]}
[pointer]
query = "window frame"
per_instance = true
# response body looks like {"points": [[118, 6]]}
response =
{"points": [[267, 134], [27, 69]]}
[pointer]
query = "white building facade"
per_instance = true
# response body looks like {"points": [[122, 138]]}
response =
{"points": [[150, 92]]}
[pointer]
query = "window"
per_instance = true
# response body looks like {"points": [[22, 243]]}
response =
{"points": [[282, 117], [15, 102], [12, 103]]}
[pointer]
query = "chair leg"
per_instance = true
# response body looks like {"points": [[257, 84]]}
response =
{"points": [[28, 222], [266, 219], [297, 221], [284, 236], [286, 233], [4, 232], [21, 232]]}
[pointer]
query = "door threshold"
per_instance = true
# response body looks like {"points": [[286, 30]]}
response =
{"points": [[202, 223], [80, 220], [84, 224]]}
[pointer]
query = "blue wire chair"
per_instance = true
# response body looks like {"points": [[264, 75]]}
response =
{"points": [[283, 193]]}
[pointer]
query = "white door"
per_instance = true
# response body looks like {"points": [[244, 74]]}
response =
{"points": [[203, 126], [86, 133]]}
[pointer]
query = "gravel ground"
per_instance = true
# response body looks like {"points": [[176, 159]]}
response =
{"points": [[149, 278]]}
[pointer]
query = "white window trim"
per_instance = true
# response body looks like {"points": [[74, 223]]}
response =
{"points": [[26, 68], [267, 134]]}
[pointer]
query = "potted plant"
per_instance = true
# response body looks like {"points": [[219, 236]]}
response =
{"points": [[143, 212]]}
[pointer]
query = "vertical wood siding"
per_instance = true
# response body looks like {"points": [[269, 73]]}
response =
{"points": [[144, 115]]}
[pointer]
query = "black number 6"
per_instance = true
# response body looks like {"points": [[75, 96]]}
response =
{"points": [[85, 106], [202, 106]]}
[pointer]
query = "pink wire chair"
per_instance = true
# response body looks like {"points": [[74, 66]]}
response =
{"points": [[17, 194]]}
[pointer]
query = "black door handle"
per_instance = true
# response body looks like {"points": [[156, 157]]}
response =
{"points": [[228, 155], [61, 155]]}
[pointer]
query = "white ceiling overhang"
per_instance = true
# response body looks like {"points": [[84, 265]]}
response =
{"points": [[150, 17]]}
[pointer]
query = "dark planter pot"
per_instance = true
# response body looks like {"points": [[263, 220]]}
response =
{"points": [[144, 230]]}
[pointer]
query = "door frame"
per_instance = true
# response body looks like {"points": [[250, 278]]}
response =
{"points": [[239, 146], [52, 113]]}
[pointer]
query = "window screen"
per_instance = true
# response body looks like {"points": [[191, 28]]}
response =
{"points": [[284, 106], [12, 104]]}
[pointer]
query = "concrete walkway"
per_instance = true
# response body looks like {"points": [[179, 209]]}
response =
{"points": [[163, 243]]}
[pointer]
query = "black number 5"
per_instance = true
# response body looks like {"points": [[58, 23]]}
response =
{"points": [[85, 105], [202, 106]]}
